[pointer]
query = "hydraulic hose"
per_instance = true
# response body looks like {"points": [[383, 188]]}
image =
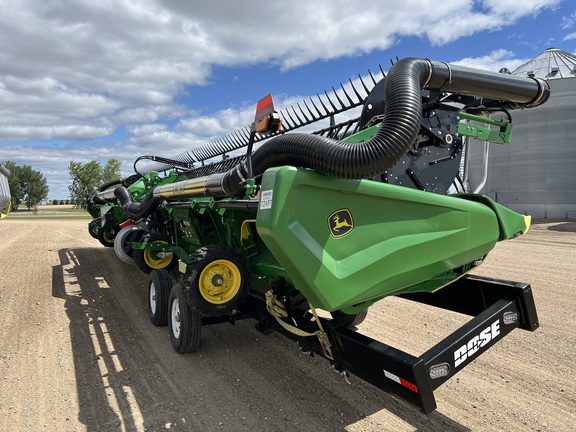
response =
{"points": [[136, 210], [397, 133]]}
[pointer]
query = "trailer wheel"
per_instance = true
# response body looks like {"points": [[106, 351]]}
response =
{"points": [[106, 236], [184, 322], [217, 280], [349, 320], [93, 231], [159, 286], [123, 243], [147, 260]]}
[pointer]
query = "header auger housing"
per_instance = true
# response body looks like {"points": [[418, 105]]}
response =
{"points": [[340, 219]]}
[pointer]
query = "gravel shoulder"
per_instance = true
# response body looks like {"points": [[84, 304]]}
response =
{"points": [[78, 351]]}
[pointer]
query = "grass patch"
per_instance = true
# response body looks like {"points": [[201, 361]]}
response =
{"points": [[51, 212]]}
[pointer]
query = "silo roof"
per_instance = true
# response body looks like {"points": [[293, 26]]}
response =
{"points": [[551, 64]]}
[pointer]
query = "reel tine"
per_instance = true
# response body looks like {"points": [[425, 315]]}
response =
{"points": [[199, 154], [303, 113], [346, 94], [286, 125], [230, 145], [296, 114], [246, 133], [372, 76], [360, 98], [291, 118], [220, 146], [364, 84], [188, 158], [322, 103], [207, 153], [330, 100], [241, 138], [338, 98], [315, 107], [309, 110]]}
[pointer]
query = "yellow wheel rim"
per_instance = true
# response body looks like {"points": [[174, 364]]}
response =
{"points": [[155, 262], [219, 282]]}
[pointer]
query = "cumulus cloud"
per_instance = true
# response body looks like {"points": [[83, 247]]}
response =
{"points": [[84, 70], [493, 61], [218, 123], [76, 63], [568, 21]]}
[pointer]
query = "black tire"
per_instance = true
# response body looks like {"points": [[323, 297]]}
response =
{"points": [[136, 237], [106, 236], [123, 242], [146, 260], [349, 320], [159, 286], [184, 322], [93, 231], [217, 280]]}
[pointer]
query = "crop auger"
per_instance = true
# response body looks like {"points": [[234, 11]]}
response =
{"points": [[342, 218]]}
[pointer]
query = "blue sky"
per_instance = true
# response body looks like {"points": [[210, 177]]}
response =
{"points": [[91, 80]]}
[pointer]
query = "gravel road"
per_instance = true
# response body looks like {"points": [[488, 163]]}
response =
{"points": [[78, 352]]}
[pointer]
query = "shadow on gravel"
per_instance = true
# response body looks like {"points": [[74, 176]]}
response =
{"points": [[100, 387], [563, 227], [128, 377]]}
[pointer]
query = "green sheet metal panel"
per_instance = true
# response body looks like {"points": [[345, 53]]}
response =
{"points": [[385, 240]]}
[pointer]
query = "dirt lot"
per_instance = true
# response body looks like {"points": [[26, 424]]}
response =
{"points": [[79, 353]]}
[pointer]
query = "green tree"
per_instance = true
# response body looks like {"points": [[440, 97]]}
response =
{"points": [[33, 185], [26, 184], [111, 170], [86, 178]]}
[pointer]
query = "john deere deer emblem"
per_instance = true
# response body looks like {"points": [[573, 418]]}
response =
{"points": [[340, 223]]}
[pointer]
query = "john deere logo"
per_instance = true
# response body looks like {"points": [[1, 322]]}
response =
{"points": [[340, 223]]}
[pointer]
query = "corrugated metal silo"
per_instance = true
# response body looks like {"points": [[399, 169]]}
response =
{"points": [[536, 174]]}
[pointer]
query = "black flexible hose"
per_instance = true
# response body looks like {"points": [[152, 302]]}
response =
{"points": [[136, 210], [347, 160], [397, 133]]}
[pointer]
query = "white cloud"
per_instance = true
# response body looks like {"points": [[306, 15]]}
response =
{"points": [[493, 61], [568, 21], [82, 70], [84, 62], [219, 123], [147, 129]]}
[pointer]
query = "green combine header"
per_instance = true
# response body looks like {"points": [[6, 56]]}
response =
{"points": [[357, 212]]}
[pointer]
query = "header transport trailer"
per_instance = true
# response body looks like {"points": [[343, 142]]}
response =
{"points": [[337, 220]]}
